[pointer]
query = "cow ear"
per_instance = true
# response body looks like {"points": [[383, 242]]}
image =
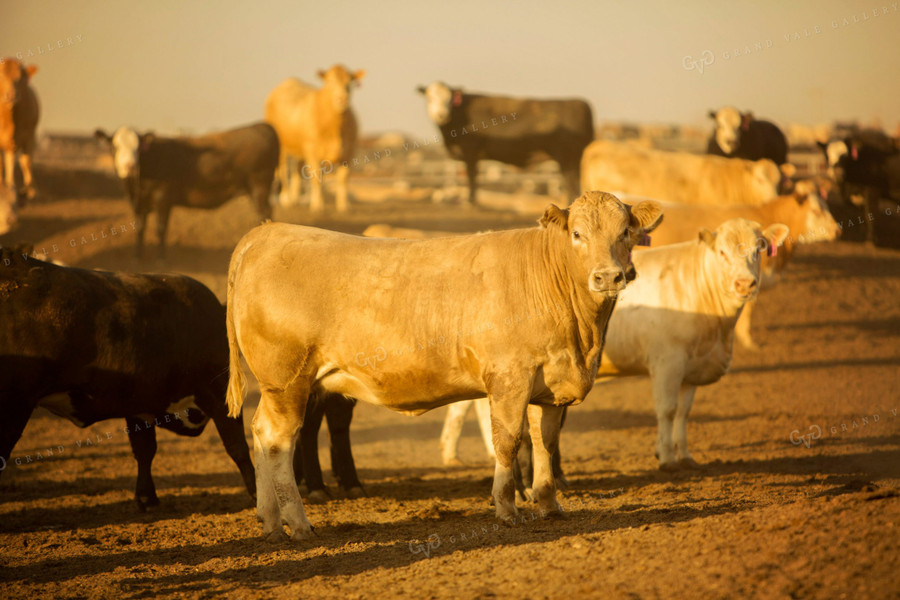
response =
{"points": [[788, 170], [358, 75], [421, 89], [776, 234], [707, 237], [31, 70], [321, 74], [647, 215], [555, 216], [102, 135], [822, 145], [712, 114], [146, 139]]}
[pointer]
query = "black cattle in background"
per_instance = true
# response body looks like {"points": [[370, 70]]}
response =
{"points": [[160, 173], [865, 164], [96, 345], [516, 131]]}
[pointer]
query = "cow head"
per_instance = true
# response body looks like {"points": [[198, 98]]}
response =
{"points": [[337, 84], [818, 223], [734, 255], [729, 123], [126, 145], [440, 100], [765, 179], [835, 151], [600, 232], [14, 78], [8, 216]]}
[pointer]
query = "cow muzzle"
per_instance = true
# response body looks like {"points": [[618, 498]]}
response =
{"points": [[607, 281], [745, 287]]}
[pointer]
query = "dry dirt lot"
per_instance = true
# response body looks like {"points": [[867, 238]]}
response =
{"points": [[764, 518]]}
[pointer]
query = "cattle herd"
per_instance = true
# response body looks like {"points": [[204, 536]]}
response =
{"points": [[160, 350]]}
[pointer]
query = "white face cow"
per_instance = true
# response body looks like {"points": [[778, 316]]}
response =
{"points": [[439, 101], [737, 247], [834, 151], [126, 149], [728, 124]]}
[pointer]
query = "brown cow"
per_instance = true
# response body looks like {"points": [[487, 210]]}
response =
{"points": [[19, 112], [317, 127], [518, 316]]}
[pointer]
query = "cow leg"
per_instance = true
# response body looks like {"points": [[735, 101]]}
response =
{"points": [[231, 431], [472, 174], [27, 180], [685, 402], [666, 382], [543, 424], [9, 168], [309, 451], [342, 172], [15, 416], [140, 225], [143, 446], [316, 203], [870, 204], [483, 410], [561, 482], [284, 198], [742, 327], [508, 405], [259, 194], [339, 413], [453, 424], [162, 226], [572, 178], [276, 426]]}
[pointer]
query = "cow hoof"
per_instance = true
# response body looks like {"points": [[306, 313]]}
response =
{"points": [[689, 463], [356, 492], [301, 534], [528, 493], [669, 467], [453, 462], [317, 497], [275, 537], [146, 503]]}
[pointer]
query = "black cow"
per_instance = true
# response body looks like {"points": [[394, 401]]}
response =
{"points": [[739, 135], [867, 164], [515, 131], [94, 345], [201, 172]]}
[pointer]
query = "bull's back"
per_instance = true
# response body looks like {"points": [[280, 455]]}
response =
{"points": [[290, 111]]}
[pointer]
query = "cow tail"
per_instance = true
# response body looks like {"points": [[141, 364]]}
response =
{"points": [[237, 384]]}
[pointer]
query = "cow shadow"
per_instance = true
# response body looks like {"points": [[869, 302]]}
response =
{"points": [[817, 364], [390, 545]]}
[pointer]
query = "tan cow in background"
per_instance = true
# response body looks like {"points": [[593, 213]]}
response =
{"points": [[677, 176], [319, 129], [19, 113]]}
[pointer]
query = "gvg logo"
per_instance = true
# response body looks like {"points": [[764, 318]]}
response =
{"points": [[707, 58], [815, 432], [433, 542]]}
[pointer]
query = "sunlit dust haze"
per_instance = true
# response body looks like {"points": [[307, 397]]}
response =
{"points": [[202, 65]]}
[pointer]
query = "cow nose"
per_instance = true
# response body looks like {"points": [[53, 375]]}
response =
{"points": [[607, 280], [745, 287]]}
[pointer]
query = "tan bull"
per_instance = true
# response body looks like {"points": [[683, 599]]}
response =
{"points": [[678, 176], [518, 316], [19, 113], [319, 129]]}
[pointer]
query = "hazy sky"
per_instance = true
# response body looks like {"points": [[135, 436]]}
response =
{"points": [[202, 65]]}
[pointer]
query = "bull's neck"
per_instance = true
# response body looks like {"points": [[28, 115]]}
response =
{"points": [[561, 286]]}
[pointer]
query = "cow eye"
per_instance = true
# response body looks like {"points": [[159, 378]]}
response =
{"points": [[576, 235], [624, 233]]}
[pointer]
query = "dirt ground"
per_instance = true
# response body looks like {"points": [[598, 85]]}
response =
{"points": [[767, 517]]}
